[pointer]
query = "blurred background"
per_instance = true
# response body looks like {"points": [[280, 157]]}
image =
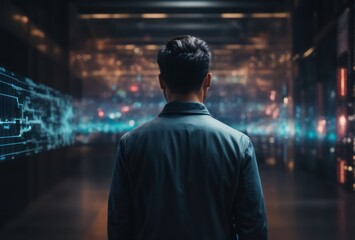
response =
{"points": [[77, 74]]}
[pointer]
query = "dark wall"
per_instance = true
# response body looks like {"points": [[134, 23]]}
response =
{"points": [[50, 16], [24, 179], [315, 83]]}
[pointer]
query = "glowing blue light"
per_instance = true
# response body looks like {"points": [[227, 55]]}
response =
{"points": [[311, 134], [332, 137], [33, 117]]}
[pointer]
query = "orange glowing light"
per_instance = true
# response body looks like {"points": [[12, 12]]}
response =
{"points": [[341, 171], [151, 47], [271, 15], [35, 32], [233, 15], [21, 18], [154, 15], [342, 81], [105, 16]]}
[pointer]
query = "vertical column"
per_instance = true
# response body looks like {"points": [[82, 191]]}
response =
{"points": [[345, 99]]}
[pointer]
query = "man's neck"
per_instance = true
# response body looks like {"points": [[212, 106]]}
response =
{"points": [[184, 98], [190, 97]]}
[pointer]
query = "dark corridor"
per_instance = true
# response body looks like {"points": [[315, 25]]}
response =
{"points": [[77, 74]]}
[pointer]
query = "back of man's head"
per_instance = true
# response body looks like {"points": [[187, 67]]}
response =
{"points": [[184, 62]]}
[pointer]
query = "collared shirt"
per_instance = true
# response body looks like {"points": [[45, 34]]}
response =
{"points": [[185, 175]]}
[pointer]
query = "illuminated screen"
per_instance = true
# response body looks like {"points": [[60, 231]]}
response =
{"points": [[33, 117]]}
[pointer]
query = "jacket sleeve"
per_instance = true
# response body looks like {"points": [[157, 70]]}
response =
{"points": [[120, 211], [249, 208]]}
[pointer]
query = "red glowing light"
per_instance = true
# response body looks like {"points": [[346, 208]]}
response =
{"points": [[342, 81], [133, 88], [101, 113], [125, 109], [341, 171]]}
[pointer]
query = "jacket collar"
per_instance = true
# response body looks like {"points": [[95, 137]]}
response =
{"points": [[184, 107]]}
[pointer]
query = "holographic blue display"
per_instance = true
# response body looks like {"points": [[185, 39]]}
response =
{"points": [[33, 117]]}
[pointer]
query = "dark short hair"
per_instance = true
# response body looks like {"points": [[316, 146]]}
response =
{"points": [[184, 62]]}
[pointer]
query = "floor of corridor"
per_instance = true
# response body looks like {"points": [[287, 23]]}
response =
{"points": [[299, 205]]}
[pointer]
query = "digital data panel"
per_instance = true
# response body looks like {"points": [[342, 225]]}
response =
{"points": [[33, 117]]}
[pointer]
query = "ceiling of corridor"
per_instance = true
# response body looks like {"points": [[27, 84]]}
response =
{"points": [[115, 42], [248, 23]]}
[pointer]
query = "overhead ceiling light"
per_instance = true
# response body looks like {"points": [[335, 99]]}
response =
{"points": [[233, 46], [154, 15], [257, 46], [129, 47], [151, 47], [122, 15], [164, 15], [221, 51], [233, 15], [104, 16], [21, 18], [35, 32], [245, 47], [308, 52], [256, 15], [270, 15]]}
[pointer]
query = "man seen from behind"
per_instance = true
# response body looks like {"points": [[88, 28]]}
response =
{"points": [[184, 175]]}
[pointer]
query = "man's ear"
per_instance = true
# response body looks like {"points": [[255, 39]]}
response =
{"points": [[207, 80], [161, 82]]}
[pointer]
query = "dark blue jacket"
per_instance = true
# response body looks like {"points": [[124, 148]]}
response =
{"points": [[184, 175]]}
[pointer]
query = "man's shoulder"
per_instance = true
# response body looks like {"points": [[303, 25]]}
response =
{"points": [[141, 129], [227, 130], [206, 123]]}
